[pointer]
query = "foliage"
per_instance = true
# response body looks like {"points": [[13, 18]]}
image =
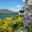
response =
{"points": [[11, 24], [30, 28]]}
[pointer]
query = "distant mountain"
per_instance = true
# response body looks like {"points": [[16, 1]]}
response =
{"points": [[6, 11]]}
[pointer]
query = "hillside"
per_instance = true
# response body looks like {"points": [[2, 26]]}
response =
{"points": [[6, 11]]}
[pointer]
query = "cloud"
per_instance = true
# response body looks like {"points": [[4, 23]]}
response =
{"points": [[23, 0], [18, 7]]}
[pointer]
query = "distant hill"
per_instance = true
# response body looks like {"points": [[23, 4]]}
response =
{"points": [[6, 11]]}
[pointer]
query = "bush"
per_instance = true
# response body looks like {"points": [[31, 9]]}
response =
{"points": [[9, 24]]}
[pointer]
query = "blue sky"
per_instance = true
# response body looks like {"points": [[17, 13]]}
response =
{"points": [[14, 5]]}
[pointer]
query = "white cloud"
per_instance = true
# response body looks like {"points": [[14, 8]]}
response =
{"points": [[23, 0], [18, 7]]}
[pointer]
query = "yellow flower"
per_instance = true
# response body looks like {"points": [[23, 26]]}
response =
{"points": [[8, 19]]}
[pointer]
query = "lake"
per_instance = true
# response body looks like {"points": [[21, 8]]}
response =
{"points": [[2, 15]]}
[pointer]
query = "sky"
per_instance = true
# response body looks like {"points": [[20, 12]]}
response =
{"points": [[14, 5]]}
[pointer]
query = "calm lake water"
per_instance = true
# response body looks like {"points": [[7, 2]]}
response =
{"points": [[2, 16]]}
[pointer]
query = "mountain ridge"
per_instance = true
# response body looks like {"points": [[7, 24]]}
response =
{"points": [[6, 11]]}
